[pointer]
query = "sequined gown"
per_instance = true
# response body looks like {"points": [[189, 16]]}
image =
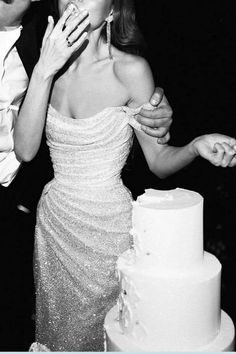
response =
{"points": [[83, 223]]}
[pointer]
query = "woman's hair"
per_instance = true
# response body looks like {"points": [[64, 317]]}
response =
{"points": [[125, 34]]}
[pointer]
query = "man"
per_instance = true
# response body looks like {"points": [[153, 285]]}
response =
{"points": [[21, 184], [19, 50]]}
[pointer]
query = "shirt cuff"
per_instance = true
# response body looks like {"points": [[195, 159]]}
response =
{"points": [[9, 167]]}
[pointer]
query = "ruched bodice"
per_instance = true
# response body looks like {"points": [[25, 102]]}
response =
{"points": [[83, 223], [90, 151]]}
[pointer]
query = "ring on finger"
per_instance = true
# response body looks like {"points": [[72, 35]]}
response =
{"points": [[69, 44]]}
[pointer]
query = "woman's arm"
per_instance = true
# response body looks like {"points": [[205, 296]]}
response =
{"points": [[164, 160], [55, 53]]}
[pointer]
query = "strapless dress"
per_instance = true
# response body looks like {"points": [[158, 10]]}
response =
{"points": [[83, 224]]}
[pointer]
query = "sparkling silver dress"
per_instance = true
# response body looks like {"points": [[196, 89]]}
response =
{"points": [[83, 223]]}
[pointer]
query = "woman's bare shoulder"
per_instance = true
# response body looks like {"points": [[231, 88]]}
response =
{"points": [[135, 73], [129, 65]]}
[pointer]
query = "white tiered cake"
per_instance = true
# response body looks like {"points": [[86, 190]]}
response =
{"points": [[170, 287]]}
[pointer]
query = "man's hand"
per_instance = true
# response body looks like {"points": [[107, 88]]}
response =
{"points": [[157, 122]]}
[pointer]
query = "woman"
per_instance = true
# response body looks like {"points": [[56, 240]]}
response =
{"points": [[84, 215]]}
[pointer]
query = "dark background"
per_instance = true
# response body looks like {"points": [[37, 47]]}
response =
{"points": [[192, 52], [191, 49]]}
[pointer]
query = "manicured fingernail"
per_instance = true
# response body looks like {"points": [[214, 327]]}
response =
{"points": [[154, 102], [72, 8]]}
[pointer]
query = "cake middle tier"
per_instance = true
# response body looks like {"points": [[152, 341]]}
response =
{"points": [[177, 310]]}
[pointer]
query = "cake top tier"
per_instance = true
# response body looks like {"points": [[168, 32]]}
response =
{"points": [[169, 199], [168, 228]]}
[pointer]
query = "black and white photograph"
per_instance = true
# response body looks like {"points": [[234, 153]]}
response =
{"points": [[117, 175]]}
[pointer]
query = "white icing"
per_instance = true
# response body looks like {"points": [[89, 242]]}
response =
{"points": [[170, 287], [117, 342], [186, 309], [171, 232], [174, 199]]}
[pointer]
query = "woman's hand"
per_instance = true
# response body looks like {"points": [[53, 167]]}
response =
{"points": [[61, 41], [157, 122], [219, 149]]}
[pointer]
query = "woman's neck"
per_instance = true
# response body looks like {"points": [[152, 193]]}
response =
{"points": [[95, 50]]}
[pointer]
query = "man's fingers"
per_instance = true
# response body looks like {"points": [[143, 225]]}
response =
{"points": [[156, 133], [156, 114], [154, 121], [157, 96], [164, 140]]}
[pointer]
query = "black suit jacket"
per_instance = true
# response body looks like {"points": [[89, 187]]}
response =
{"points": [[27, 186]]}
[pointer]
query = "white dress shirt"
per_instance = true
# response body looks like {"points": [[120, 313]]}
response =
{"points": [[13, 85]]}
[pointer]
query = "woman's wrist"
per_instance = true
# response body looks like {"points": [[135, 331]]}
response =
{"points": [[192, 147], [41, 74]]}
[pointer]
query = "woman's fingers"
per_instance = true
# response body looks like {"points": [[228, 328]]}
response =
{"points": [[78, 43], [218, 154], [62, 40], [76, 24], [74, 36], [69, 25], [49, 29], [224, 155], [233, 162], [63, 19], [228, 155]]}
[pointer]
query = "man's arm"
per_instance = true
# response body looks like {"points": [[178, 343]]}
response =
{"points": [[9, 166], [157, 122]]}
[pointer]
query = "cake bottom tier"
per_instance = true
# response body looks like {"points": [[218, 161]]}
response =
{"points": [[179, 307], [116, 341]]}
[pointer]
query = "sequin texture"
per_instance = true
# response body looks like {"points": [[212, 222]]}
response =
{"points": [[83, 223]]}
